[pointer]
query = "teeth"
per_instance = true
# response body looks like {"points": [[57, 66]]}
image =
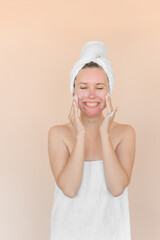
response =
{"points": [[91, 104]]}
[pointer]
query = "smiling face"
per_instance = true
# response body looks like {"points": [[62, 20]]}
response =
{"points": [[91, 87]]}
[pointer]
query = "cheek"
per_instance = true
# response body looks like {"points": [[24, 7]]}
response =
{"points": [[101, 95], [82, 93]]}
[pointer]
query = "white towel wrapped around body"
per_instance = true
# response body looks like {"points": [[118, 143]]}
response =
{"points": [[94, 51]]}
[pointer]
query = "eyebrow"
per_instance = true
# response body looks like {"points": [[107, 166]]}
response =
{"points": [[96, 83]]}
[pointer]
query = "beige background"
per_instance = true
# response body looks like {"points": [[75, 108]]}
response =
{"points": [[39, 43]]}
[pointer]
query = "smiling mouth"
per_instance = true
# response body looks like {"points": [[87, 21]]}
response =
{"points": [[91, 105]]}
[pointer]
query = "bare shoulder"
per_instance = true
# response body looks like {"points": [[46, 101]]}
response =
{"points": [[125, 130], [55, 128], [60, 130], [120, 131], [127, 127], [122, 126]]}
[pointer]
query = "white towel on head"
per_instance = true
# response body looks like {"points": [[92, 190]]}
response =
{"points": [[94, 51]]}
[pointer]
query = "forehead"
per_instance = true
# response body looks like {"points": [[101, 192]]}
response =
{"points": [[92, 75]]}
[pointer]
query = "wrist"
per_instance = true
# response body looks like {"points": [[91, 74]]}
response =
{"points": [[103, 132], [104, 135], [80, 135]]}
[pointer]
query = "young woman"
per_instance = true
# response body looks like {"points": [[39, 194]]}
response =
{"points": [[91, 158]]}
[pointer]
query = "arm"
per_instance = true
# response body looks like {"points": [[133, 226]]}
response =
{"points": [[118, 164], [66, 169]]}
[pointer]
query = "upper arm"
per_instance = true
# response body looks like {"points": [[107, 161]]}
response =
{"points": [[57, 151], [126, 149]]}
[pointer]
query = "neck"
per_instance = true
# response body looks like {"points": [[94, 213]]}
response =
{"points": [[91, 123]]}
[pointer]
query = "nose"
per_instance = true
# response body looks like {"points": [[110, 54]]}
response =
{"points": [[92, 93]]}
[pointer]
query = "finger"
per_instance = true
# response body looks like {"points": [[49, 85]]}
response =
{"points": [[71, 110], [109, 100], [109, 104], [105, 109], [116, 108], [75, 109], [74, 106], [112, 114]]}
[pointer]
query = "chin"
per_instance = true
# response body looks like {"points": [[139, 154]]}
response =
{"points": [[90, 114]]}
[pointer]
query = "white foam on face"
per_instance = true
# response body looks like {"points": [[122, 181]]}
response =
{"points": [[82, 94], [101, 95]]}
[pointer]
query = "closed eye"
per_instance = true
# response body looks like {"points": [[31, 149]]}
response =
{"points": [[85, 88]]}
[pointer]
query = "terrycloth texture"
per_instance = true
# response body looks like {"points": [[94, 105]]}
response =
{"points": [[94, 51], [94, 213]]}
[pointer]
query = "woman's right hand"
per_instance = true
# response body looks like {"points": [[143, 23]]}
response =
{"points": [[75, 118]]}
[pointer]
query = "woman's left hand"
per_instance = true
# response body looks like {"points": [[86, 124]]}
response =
{"points": [[108, 118]]}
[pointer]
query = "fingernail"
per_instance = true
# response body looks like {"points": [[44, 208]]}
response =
{"points": [[108, 94]]}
